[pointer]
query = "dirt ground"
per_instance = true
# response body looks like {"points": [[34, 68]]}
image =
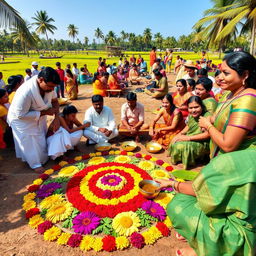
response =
{"points": [[17, 238]]}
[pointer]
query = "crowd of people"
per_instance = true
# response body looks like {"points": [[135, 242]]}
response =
{"points": [[206, 119]]}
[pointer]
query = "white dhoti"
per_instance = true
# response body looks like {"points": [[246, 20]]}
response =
{"points": [[98, 137], [61, 141], [30, 144]]}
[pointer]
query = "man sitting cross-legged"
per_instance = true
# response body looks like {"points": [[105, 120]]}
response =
{"points": [[103, 126], [132, 117]]}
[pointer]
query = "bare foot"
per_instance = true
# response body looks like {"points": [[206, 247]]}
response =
{"points": [[39, 169], [180, 237], [188, 251]]}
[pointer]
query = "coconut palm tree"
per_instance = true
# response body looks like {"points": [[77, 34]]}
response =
{"points": [[99, 34], [19, 35], [86, 41], [159, 40], [241, 10], [209, 27], [9, 17], [110, 38], [147, 36], [43, 24], [72, 31]]}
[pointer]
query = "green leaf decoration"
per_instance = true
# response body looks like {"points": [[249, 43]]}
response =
{"points": [[67, 223], [80, 165], [135, 161], [104, 227], [43, 212], [58, 191], [58, 180], [145, 219], [110, 159], [74, 213], [184, 174]]}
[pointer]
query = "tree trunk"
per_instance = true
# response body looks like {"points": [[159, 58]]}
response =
{"points": [[252, 51]]}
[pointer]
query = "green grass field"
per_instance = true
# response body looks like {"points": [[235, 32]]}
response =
{"points": [[81, 58]]}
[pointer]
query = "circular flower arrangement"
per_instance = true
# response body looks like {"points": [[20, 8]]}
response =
{"points": [[93, 202]]}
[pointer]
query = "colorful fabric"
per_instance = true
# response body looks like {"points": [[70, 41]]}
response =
{"points": [[113, 84], [188, 152], [152, 58], [239, 112], [210, 104], [221, 219], [71, 88], [3, 114], [180, 100], [165, 137], [132, 116], [98, 88]]}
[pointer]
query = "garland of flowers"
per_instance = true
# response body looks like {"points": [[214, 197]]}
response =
{"points": [[96, 204]]}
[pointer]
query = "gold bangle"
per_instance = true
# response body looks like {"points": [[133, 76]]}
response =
{"points": [[173, 185], [209, 127]]}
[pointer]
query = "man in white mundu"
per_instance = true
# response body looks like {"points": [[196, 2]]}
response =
{"points": [[27, 116], [103, 126]]}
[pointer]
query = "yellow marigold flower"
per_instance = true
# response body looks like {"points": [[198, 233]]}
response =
{"points": [[163, 199], [111, 152], [49, 201], [130, 153], [122, 159], [126, 223], [87, 243], [63, 238], [97, 244], [49, 171], [63, 163], [180, 180], [117, 152], [148, 237], [68, 171], [98, 153], [96, 160], [143, 155], [35, 220], [29, 196], [153, 159], [59, 211], [78, 158], [52, 233], [160, 174], [155, 232], [38, 182], [168, 222], [92, 154], [146, 165], [122, 242], [28, 204]]}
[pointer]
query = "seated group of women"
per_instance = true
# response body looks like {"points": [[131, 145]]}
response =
{"points": [[215, 213]]}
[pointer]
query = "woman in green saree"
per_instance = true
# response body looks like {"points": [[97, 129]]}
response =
{"points": [[191, 143], [216, 212], [202, 89]]}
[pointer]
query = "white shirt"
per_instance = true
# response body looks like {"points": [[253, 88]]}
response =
{"points": [[2, 84], [75, 71], [35, 72], [25, 108], [103, 120], [27, 77]]}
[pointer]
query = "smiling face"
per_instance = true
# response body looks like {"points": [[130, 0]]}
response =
{"points": [[180, 87], [201, 91], [229, 79], [165, 103], [194, 109]]}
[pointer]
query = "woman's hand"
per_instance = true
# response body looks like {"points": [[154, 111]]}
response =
{"points": [[182, 138], [204, 122], [151, 132], [164, 183]]}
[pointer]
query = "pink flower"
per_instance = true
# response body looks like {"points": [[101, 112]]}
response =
{"points": [[44, 226], [138, 155], [137, 240], [74, 240], [159, 162]]}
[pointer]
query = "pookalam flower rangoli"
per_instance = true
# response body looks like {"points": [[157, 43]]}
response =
{"points": [[93, 202]]}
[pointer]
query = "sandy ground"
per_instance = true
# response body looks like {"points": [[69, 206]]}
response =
{"points": [[17, 238]]}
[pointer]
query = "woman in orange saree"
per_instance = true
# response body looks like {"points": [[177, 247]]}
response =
{"points": [[173, 122], [181, 96]]}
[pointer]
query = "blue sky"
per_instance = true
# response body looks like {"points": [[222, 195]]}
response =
{"points": [[169, 17]]}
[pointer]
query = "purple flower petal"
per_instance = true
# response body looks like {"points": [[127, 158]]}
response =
{"points": [[154, 209], [48, 189]]}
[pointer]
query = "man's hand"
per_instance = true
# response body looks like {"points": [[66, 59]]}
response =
{"points": [[108, 133], [55, 125], [103, 130], [48, 112]]}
